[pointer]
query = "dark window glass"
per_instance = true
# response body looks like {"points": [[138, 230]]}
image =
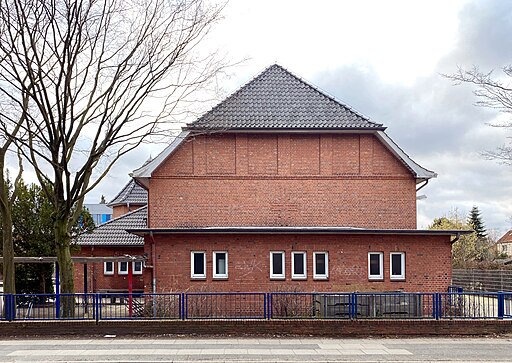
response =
{"points": [[396, 264], [320, 263], [137, 266], [298, 264], [277, 263], [220, 261], [198, 263], [109, 266], [375, 264], [124, 266]]}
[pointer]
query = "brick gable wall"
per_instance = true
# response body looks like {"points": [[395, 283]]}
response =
{"points": [[282, 180]]}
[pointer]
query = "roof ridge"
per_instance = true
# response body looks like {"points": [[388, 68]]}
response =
{"points": [[335, 102], [233, 94], [327, 94]]}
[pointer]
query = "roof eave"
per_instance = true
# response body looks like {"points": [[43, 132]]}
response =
{"points": [[283, 129], [143, 174], [420, 173], [296, 230]]}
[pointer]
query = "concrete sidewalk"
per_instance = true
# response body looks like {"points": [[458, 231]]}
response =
{"points": [[257, 350]]}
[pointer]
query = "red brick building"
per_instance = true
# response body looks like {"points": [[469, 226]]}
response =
{"points": [[282, 187]]}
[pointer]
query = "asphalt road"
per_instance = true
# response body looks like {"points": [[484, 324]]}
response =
{"points": [[257, 350]]}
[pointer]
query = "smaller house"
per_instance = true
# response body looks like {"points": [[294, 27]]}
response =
{"points": [[130, 198], [110, 239], [504, 244]]}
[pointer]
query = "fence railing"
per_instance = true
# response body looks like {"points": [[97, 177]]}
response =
{"points": [[455, 304]]}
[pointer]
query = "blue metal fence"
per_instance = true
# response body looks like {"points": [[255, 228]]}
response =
{"points": [[455, 304]]}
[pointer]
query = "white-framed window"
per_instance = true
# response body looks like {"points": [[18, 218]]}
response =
{"points": [[122, 268], [299, 268], [320, 265], [137, 267], [277, 265], [375, 265], [397, 266], [198, 264], [220, 265], [108, 268]]}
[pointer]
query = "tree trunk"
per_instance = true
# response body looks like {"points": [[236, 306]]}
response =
{"points": [[62, 243], [8, 247]]}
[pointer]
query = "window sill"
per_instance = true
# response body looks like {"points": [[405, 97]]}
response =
{"points": [[220, 278], [397, 279], [198, 278], [278, 278], [376, 279], [303, 278], [321, 278]]}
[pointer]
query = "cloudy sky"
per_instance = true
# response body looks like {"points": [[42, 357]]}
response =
{"points": [[386, 60]]}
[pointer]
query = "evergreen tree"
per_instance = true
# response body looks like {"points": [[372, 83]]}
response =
{"points": [[33, 236], [475, 222]]}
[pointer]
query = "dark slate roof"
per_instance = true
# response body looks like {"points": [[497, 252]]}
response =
{"points": [[113, 232], [132, 193], [277, 99]]}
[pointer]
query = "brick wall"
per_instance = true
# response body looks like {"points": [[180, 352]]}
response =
{"points": [[285, 179], [120, 210], [97, 280], [265, 328], [428, 262]]}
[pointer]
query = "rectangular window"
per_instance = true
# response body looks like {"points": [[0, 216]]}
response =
{"points": [[198, 264], [320, 265], [220, 265], [397, 269], [375, 266], [108, 268], [299, 269], [277, 265], [122, 268], [137, 267]]}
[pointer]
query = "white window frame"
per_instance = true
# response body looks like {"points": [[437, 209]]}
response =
{"points": [[105, 271], [217, 275], [197, 276], [274, 276], [134, 271], [317, 276], [121, 271], [402, 265], [303, 276], [381, 266]]}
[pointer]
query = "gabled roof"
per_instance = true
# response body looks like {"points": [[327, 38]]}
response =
{"points": [[277, 99], [113, 232], [132, 193], [506, 238]]}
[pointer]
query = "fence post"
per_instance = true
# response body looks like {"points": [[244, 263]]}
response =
{"points": [[501, 304], [265, 305], [182, 306], [270, 296], [98, 307], [437, 306], [95, 303], [9, 307]]}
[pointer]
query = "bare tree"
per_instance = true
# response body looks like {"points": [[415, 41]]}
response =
{"points": [[8, 192], [101, 77], [493, 92]]}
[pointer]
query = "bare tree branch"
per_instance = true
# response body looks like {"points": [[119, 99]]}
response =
{"points": [[101, 77]]}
